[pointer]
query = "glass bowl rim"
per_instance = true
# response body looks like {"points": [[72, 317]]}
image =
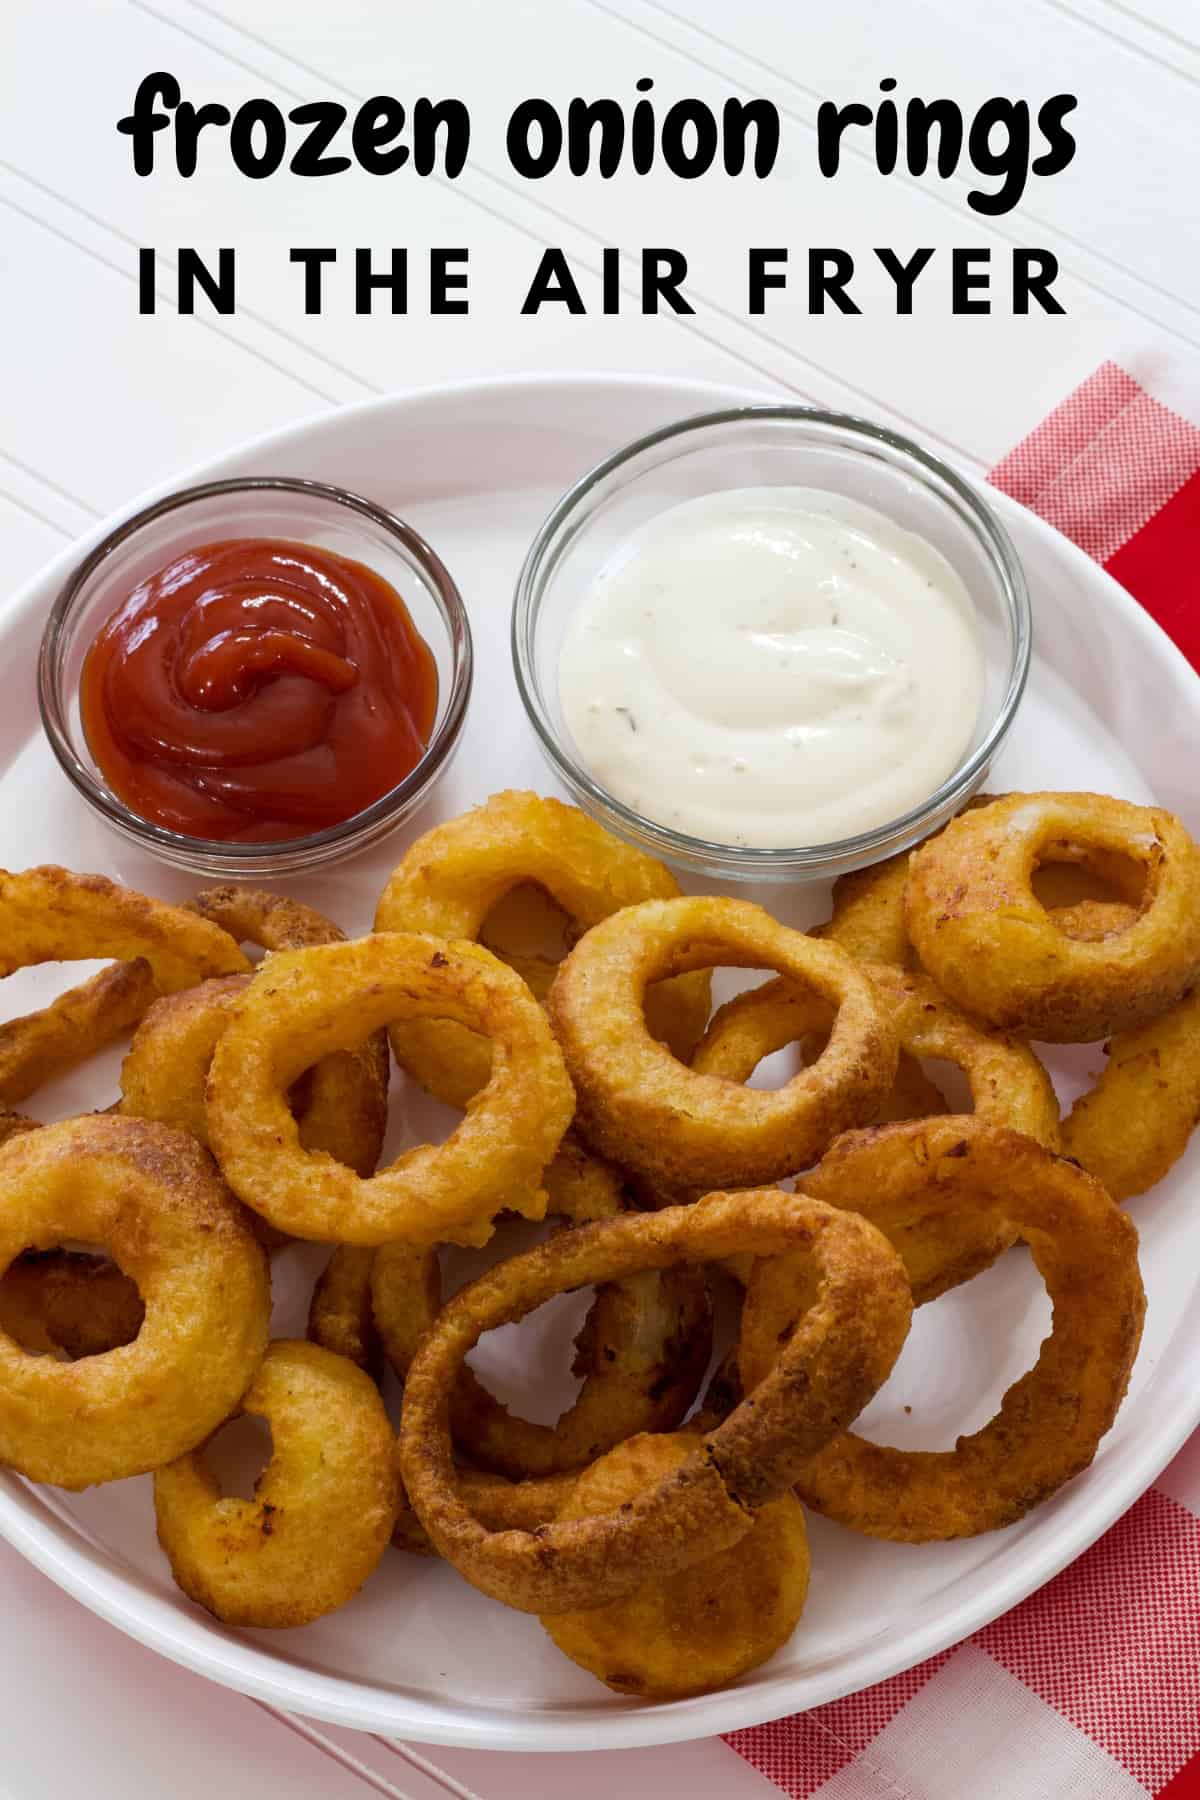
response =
{"points": [[171, 844], [981, 520]]}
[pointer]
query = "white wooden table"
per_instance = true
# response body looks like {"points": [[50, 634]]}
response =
{"points": [[98, 402]]}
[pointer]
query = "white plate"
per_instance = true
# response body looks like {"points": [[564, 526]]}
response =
{"points": [[419, 1654]]}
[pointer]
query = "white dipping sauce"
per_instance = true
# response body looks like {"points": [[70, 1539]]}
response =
{"points": [[773, 667]]}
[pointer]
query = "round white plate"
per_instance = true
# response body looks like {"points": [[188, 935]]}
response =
{"points": [[419, 1654]]}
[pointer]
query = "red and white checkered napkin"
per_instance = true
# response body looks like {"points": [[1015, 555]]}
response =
{"points": [[1090, 1689]]}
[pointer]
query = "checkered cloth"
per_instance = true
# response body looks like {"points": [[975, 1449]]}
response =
{"points": [[1090, 1689]]}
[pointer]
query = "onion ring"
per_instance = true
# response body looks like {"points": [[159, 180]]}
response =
{"points": [[323, 1509], [152, 1199], [702, 1627], [842, 1353], [65, 1300], [166, 1065], [340, 1317], [637, 1104], [51, 915], [340, 1106], [343, 1108], [1008, 1087], [868, 914], [1134, 1124], [499, 1504], [991, 945], [451, 880], [303, 1005], [254, 916], [1051, 1421], [642, 1352], [1091, 921], [41, 1046], [1008, 1084], [14, 1124], [868, 904]]}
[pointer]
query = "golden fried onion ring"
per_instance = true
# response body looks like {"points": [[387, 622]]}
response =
{"points": [[70, 1302], [703, 1626], [166, 1065], [1134, 1124], [152, 1199], [1051, 1421], [1008, 1086], [323, 1509], [305, 1004], [497, 1503], [273, 922], [992, 946], [343, 1108], [13, 1124], [340, 1106], [41, 1046], [340, 1316], [868, 914], [868, 904], [451, 880], [640, 1106], [642, 1352], [840, 1355], [51, 915]]}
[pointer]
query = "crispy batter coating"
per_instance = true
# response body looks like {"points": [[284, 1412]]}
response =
{"points": [[868, 904], [304, 1005], [702, 1627], [272, 921], [868, 914], [1134, 1124], [323, 1509], [841, 1353], [67, 1301], [1051, 1421], [340, 1106], [343, 1106], [640, 1106], [499, 1504], [166, 1066], [756, 1024], [151, 1197], [642, 1352], [452, 880], [1092, 921], [941, 1247], [989, 942], [52, 915], [340, 1317], [1008, 1086], [41, 1046], [14, 1124]]}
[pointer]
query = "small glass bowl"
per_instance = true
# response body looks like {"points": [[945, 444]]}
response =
{"points": [[268, 506], [763, 446]]}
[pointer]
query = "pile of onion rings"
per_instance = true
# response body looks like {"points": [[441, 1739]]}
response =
{"points": [[554, 985]]}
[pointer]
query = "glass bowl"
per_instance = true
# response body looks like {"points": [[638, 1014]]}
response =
{"points": [[766, 446], [268, 506]]}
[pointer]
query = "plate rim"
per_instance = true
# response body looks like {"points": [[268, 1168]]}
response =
{"points": [[252, 1669]]}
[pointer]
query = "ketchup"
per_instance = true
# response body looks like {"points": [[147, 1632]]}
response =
{"points": [[256, 690]]}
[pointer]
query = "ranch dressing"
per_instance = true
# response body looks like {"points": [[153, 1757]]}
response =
{"points": [[772, 667]]}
